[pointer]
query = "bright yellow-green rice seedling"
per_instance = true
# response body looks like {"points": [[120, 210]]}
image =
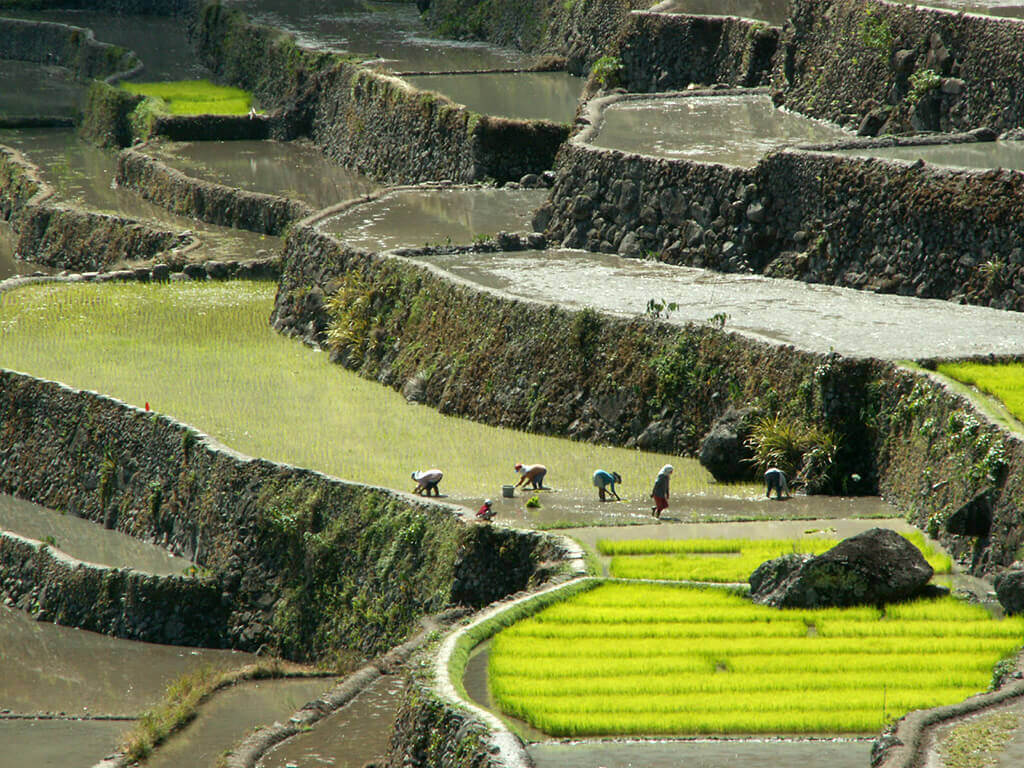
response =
{"points": [[629, 659], [723, 560], [195, 97], [205, 354], [1004, 381]]}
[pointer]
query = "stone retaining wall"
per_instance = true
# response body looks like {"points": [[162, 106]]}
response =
{"points": [[364, 119], [121, 602], [62, 45], [888, 226], [847, 59], [304, 563], [204, 200], [152, 7]]}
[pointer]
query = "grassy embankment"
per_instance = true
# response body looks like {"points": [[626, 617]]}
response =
{"points": [[649, 659], [1004, 381], [723, 560], [205, 354], [194, 97]]}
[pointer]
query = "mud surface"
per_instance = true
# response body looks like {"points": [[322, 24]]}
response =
{"points": [[995, 8], [160, 42], [86, 540], [413, 218], [1008, 755], [730, 130], [84, 174], [230, 715], [772, 11], [391, 34], [350, 738], [818, 318], [524, 95], [54, 669], [294, 169], [57, 743], [983, 154], [54, 91]]}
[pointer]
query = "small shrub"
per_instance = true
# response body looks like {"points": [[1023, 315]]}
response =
{"points": [[607, 71], [921, 82]]}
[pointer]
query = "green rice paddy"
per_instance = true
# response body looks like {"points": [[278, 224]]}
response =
{"points": [[195, 97], [626, 659], [1004, 381], [205, 354], [723, 560]]}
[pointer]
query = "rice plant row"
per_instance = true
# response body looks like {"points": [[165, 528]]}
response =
{"points": [[820, 671]]}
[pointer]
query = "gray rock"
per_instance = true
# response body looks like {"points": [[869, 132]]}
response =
{"points": [[953, 86], [974, 518], [755, 213], [723, 451], [630, 245], [161, 273], [1010, 590], [875, 567], [657, 435]]}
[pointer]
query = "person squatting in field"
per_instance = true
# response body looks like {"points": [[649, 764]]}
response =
{"points": [[605, 482], [775, 480], [427, 481], [533, 474]]}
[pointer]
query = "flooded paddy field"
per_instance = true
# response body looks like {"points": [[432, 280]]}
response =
{"points": [[86, 540], [773, 11], [819, 318], [160, 42], [1006, 8], [54, 93], [85, 175], [412, 218], [57, 743], [522, 95], [975, 155], [294, 169], [730, 130], [352, 737], [391, 35]]}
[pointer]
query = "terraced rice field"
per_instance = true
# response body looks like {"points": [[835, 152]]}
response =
{"points": [[723, 560], [628, 659], [1004, 381]]}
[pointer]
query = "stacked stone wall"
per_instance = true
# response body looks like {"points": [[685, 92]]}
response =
{"points": [[62, 45], [142, 7]]}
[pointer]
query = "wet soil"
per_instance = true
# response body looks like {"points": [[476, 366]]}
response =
{"points": [[772, 11], [294, 169], [392, 34], [818, 318], [982, 154], [523, 95], [86, 540], [52, 669], [416, 217], [1009, 755], [1010, 8], [350, 738], [730, 130], [54, 91], [230, 715], [57, 743]]}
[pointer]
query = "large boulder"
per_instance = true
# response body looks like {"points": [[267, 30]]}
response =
{"points": [[1010, 590], [724, 452], [875, 567]]}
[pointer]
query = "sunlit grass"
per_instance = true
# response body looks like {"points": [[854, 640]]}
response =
{"points": [[195, 97], [626, 659], [724, 560], [1004, 381], [205, 354]]}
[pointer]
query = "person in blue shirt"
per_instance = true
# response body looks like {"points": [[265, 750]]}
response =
{"points": [[605, 482]]}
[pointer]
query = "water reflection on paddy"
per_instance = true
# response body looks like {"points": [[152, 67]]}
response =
{"points": [[772, 11], [975, 155], [731, 130], [57, 743], [54, 91], [523, 95]]}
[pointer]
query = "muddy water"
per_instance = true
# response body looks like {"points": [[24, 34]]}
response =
{"points": [[524, 95], [230, 715], [702, 754], [417, 217], [86, 540], [772, 11], [1009, 9], [390, 33], [350, 738], [294, 169], [819, 318], [161, 43], [57, 743], [54, 91], [10, 266], [85, 174], [731, 130], [49, 668], [984, 154]]}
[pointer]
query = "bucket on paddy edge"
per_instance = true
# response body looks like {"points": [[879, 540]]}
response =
{"points": [[508, 491]]}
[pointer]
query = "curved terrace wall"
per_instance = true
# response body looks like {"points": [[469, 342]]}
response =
{"points": [[302, 562], [43, 42], [153, 7], [364, 119], [888, 226]]}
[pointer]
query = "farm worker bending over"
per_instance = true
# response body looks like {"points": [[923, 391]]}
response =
{"points": [[532, 473], [775, 480], [660, 492], [427, 480], [605, 483], [485, 512]]}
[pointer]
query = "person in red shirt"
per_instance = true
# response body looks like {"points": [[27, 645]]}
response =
{"points": [[485, 512]]}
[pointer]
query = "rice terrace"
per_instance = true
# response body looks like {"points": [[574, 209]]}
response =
{"points": [[507, 383]]}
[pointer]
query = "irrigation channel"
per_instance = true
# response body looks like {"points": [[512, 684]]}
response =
{"points": [[65, 694]]}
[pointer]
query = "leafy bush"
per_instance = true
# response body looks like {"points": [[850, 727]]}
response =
{"points": [[607, 71], [804, 452]]}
